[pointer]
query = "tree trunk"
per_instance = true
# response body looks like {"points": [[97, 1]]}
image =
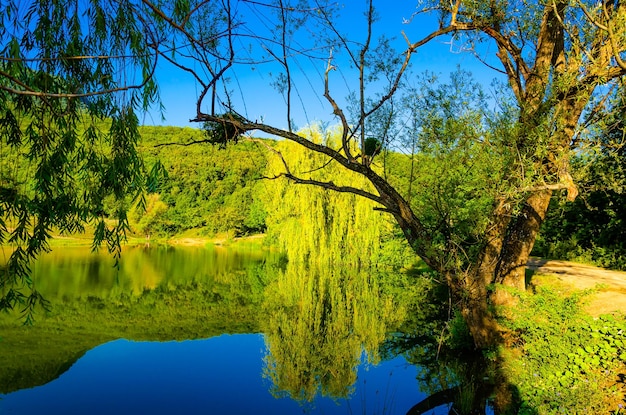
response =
{"points": [[510, 271], [480, 320], [502, 264]]}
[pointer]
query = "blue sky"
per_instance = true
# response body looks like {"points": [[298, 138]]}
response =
{"points": [[254, 97]]}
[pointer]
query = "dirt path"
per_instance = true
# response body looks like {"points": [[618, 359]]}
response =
{"points": [[611, 285]]}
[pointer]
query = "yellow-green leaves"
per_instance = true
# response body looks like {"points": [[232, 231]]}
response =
{"points": [[319, 323], [316, 225]]}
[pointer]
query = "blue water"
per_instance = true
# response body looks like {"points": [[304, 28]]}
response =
{"points": [[220, 375]]}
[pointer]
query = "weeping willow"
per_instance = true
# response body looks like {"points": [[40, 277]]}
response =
{"points": [[314, 225]]}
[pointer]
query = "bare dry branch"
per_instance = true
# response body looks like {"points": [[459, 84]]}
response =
{"points": [[337, 110], [220, 73], [362, 55]]}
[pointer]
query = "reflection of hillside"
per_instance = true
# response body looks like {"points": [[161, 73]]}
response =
{"points": [[143, 273], [187, 307], [22, 375], [77, 272], [318, 326], [42, 353]]}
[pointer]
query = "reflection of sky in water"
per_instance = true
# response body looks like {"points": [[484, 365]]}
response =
{"points": [[221, 375]]}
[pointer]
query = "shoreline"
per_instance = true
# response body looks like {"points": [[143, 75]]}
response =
{"points": [[61, 241]]}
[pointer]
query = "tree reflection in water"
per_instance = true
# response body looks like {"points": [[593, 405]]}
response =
{"points": [[452, 372], [320, 324]]}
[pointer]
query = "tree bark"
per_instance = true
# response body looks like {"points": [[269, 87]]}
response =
{"points": [[501, 265], [510, 270]]}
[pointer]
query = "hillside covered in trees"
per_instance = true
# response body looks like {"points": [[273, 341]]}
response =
{"points": [[204, 187], [210, 189]]}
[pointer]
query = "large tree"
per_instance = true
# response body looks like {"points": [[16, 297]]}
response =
{"points": [[561, 60]]}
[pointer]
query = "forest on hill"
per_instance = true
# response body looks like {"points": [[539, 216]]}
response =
{"points": [[211, 189], [204, 187]]}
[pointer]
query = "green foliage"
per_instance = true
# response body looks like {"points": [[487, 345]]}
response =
{"points": [[147, 217], [208, 188], [373, 146], [317, 226], [72, 138], [458, 156], [569, 360]]}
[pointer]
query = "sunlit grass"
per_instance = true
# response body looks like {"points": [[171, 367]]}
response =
{"points": [[564, 360]]}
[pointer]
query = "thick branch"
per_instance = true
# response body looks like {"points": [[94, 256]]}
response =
{"points": [[512, 72], [550, 30], [332, 186]]}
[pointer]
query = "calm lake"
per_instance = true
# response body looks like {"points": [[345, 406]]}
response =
{"points": [[183, 330]]}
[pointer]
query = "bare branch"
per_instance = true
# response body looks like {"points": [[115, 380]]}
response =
{"points": [[362, 54], [70, 58], [284, 61], [405, 64], [193, 73], [164, 16], [337, 110], [273, 150], [229, 63]]}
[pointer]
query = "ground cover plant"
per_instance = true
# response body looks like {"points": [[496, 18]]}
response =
{"points": [[563, 360]]}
